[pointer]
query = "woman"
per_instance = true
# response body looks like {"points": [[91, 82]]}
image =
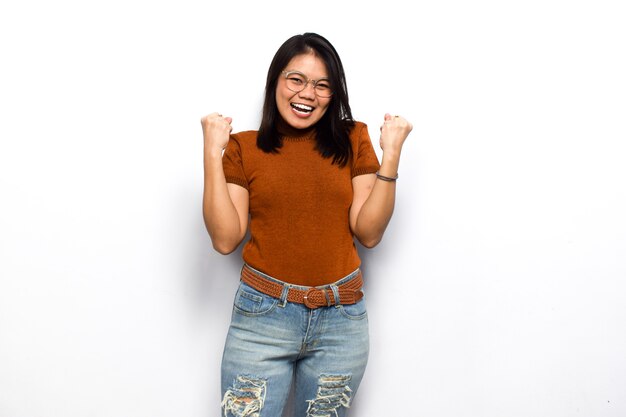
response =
{"points": [[308, 181]]}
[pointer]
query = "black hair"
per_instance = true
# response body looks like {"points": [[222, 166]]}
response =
{"points": [[333, 129]]}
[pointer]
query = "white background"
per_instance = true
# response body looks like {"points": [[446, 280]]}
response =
{"points": [[499, 289]]}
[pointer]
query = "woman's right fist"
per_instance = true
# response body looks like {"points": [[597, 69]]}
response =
{"points": [[216, 130]]}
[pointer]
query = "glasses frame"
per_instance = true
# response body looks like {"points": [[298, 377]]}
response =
{"points": [[286, 74]]}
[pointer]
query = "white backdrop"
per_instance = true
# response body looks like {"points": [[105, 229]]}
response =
{"points": [[499, 287]]}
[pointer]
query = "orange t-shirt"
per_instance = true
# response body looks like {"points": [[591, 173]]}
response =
{"points": [[299, 205]]}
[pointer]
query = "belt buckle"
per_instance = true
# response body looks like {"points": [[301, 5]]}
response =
{"points": [[308, 302]]}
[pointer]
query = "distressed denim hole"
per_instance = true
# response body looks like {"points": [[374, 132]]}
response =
{"points": [[333, 392], [245, 398]]}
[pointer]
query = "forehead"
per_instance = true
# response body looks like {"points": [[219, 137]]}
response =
{"points": [[309, 64]]}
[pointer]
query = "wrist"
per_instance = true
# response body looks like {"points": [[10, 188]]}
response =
{"points": [[389, 165], [388, 170], [391, 156], [213, 153], [386, 178]]}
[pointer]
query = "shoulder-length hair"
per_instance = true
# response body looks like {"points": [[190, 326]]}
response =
{"points": [[333, 129]]}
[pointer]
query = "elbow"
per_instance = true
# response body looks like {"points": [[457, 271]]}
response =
{"points": [[224, 249], [225, 246], [371, 242], [224, 242], [369, 236]]}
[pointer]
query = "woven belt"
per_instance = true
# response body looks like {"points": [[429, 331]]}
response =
{"points": [[312, 297]]}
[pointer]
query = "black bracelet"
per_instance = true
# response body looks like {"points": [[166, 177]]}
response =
{"points": [[388, 179]]}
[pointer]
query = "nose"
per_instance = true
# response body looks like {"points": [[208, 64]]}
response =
{"points": [[308, 91]]}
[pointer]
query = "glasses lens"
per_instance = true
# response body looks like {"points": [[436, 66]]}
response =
{"points": [[295, 81], [322, 88]]}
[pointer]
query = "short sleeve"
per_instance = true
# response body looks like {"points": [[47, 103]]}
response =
{"points": [[233, 163], [365, 160]]}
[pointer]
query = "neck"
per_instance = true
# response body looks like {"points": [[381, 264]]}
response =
{"points": [[286, 130]]}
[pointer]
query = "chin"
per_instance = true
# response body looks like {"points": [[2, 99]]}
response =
{"points": [[304, 125], [300, 124]]}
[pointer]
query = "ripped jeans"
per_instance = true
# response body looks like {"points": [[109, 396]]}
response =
{"points": [[273, 343]]}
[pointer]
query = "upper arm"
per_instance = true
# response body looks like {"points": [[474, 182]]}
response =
{"points": [[241, 200], [362, 186]]}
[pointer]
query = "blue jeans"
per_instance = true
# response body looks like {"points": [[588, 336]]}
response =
{"points": [[273, 343]]}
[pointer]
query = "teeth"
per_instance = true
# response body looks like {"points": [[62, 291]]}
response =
{"points": [[302, 107]]}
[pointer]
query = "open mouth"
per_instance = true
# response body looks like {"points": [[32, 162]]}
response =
{"points": [[301, 108]]}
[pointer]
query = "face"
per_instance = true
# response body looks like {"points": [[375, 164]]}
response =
{"points": [[302, 109]]}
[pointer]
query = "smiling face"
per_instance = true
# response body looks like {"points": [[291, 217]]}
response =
{"points": [[303, 109]]}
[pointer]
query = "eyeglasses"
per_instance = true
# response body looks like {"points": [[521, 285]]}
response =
{"points": [[297, 81]]}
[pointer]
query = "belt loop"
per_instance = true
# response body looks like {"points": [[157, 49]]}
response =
{"points": [[335, 291], [327, 297], [283, 296]]}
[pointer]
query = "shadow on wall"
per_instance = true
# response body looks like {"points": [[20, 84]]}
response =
{"points": [[214, 278]]}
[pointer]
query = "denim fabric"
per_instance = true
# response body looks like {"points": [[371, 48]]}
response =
{"points": [[273, 343]]}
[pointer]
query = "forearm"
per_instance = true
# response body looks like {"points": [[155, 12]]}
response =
{"points": [[376, 212], [220, 215]]}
